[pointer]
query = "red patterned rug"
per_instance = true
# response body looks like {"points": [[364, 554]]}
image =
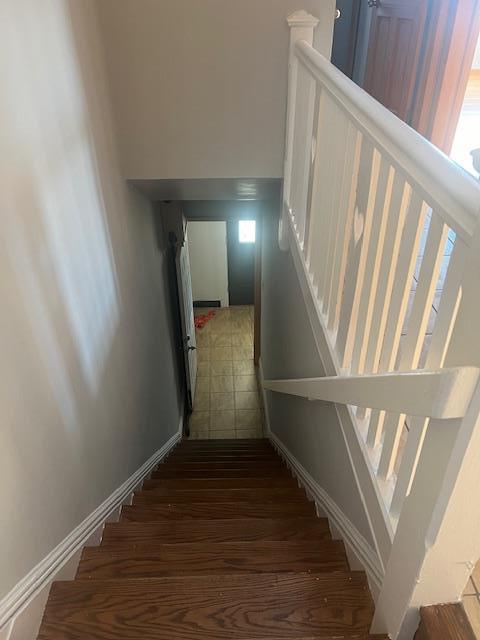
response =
{"points": [[201, 321]]}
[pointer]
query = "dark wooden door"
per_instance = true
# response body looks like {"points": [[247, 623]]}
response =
{"points": [[345, 35], [241, 267], [394, 50]]}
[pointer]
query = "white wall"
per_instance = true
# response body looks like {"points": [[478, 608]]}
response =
{"points": [[207, 249], [199, 86], [87, 377]]}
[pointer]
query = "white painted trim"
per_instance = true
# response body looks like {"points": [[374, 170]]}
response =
{"points": [[23, 595], [450, 191], [302, 19], [443, 393], [364, 553]]}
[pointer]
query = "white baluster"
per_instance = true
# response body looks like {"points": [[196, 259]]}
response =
{"points": [[372, 266], [360, 239], [397, 211], [321, 193], [340, 127], [442, 332], [417, 325], [302, 26], [302, 145], [346, 209]]}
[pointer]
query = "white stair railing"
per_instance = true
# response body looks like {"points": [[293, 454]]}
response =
{"points": [[443, 394], [384, 233]]}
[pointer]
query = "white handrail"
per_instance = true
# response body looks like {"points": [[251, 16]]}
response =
{"points": [[442, 394], [369, 207], [443, 183]]}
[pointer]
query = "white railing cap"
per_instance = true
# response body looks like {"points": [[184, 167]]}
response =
{"points": [[442, 393], [302, 19], [445, 185]]}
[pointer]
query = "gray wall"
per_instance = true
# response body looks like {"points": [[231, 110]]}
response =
{"points": [[199, 86], [310, 430], [87, 377]]}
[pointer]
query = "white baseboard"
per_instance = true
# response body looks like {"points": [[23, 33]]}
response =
{"points": [[21, 610], [360, 553]]}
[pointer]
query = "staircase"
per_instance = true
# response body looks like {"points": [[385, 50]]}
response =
{"points": [[220, 543]]}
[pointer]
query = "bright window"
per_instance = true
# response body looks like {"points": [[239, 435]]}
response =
{"points": [[246, 231]]}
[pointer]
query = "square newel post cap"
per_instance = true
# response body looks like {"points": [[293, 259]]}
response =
{"points": [[302, 19], [302, 26]]}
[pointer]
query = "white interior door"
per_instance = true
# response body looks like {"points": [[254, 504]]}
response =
{"points": [[188, 322]]}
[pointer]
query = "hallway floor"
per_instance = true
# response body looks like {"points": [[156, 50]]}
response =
{"points": [[227, 400]]}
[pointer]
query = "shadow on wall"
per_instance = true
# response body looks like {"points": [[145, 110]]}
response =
{"points": [[88, 382], [54, 231]]}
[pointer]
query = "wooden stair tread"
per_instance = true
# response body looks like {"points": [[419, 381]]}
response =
{"points": [[219, 544], [207, 559], [227, 446], [225, 441], [444, 622], [201, 456], [217, 510], [218, 495], [236, 463], [179, 531], [278, 482], [226, 449], [210, 607], [230, 472]]}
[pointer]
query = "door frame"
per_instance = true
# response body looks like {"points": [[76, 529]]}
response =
{"points": [[177, 245], [453, 31], [257, 307], [451, 35], [414, 53]]}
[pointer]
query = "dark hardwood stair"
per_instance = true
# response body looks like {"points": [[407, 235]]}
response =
{"points": [[223, 557], [217, 510], [160, 495], [229, 471], [278, 482], [127, 534], [220, 544]]}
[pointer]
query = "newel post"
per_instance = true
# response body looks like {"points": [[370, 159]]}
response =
{"points": [[302, 26]]}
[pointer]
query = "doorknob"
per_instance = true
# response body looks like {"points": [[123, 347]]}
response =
{"points": [[373, 3], [191, 348]]}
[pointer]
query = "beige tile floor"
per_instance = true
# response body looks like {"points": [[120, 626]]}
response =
{"points": [[471, 600], [227, 401]]}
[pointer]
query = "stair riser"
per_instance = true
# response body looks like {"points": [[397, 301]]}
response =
{"points": [[166, 472], [222, 457], [99, 563], [122, 534], [274, 465], [216, 511], [221, 483], [243, 442], [234, 607], [232, 495]]}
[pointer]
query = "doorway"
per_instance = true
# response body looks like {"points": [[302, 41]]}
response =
{"points": [[225, 274], [241, 236], [415, 57], [466, 143]]}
